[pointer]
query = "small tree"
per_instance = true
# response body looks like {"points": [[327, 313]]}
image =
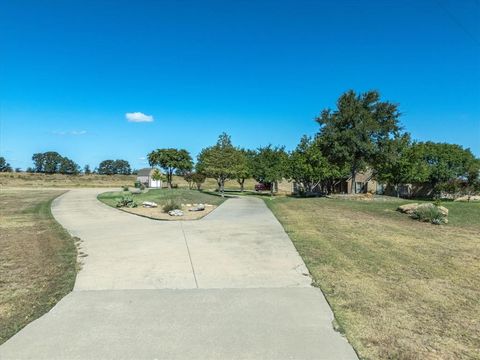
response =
{"points": [[198, 179], [171, 160], [445, 162], [86, 170], [4, 165], [270, 166], [307, 165], [219, 161], [244, 167], [399, 163]]}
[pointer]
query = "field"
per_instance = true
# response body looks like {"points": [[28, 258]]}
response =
{"points": [[64, 181], [95, 180], [400, 289], [38, 263]]}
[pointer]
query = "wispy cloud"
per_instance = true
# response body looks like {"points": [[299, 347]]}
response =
{"points": [[138, 117], [72, 132]]}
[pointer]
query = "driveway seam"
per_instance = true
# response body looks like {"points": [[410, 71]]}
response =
{"points": [[189, 255]]}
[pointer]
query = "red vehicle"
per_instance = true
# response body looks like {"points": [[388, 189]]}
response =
{"points": [[263, 187]]}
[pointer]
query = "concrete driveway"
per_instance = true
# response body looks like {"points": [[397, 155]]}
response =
{"points": [[229, 286]]}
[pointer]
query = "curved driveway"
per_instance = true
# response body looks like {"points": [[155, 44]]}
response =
{"points": [[229, 286]]}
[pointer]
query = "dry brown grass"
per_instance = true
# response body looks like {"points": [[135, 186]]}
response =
{"points": [[95, 180], [38, 259], [400, 289], [59, 180]]}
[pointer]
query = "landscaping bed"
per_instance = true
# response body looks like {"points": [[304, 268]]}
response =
{"points": [[185, 199]]}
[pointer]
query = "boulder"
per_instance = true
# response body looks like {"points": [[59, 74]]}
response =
{"points": [[443, 210], [468, 198], [408, 208], [199, 207], [149, 204], [175, 212]]}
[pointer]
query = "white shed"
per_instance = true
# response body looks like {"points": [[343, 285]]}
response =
{"points": [[144, 176]]}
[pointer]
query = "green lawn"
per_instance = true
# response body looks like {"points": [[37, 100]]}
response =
{"points": [[161, 196], [38, 258], [399, 288]]}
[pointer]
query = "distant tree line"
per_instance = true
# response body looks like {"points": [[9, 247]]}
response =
{"points": [[52, 162]]}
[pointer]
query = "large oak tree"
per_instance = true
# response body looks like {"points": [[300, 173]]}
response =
{"points": [[356, 131]]}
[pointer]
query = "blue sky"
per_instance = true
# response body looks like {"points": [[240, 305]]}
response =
{"points": [[259, 70]]}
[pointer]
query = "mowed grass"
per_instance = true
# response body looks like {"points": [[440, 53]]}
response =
{"points": [[38, 259], [161, 196], [399, 288]]}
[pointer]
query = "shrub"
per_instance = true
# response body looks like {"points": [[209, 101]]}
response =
{"points": [[171, 205], [126, 201], [142, 187], [125, 187], [430, 214], [137, 184]]}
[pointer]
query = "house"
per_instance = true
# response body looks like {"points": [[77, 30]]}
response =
{"points": [[144, 176], [364, 183]]}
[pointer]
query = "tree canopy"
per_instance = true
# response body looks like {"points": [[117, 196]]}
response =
{"points": [[244, 166], [270, 165], [400, 163], [51, 162], [445, 161], [354, 133], [307, 166], [114, 167], [219, 161], [4, 165], [171, 160]]}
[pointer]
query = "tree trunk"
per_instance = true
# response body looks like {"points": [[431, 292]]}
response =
{"points": [[222, 187], [242, 182], [396, 191], [169, 179], [354, 185]]}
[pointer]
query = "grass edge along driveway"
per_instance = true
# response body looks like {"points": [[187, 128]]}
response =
{"points": [[399, 289], [39, 258]]}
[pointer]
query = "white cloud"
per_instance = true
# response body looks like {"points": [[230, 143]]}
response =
{"points": [[73, 132], [80, 132], [138, 117]]}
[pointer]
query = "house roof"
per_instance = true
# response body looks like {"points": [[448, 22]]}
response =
{"points": [[144, 172]]}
